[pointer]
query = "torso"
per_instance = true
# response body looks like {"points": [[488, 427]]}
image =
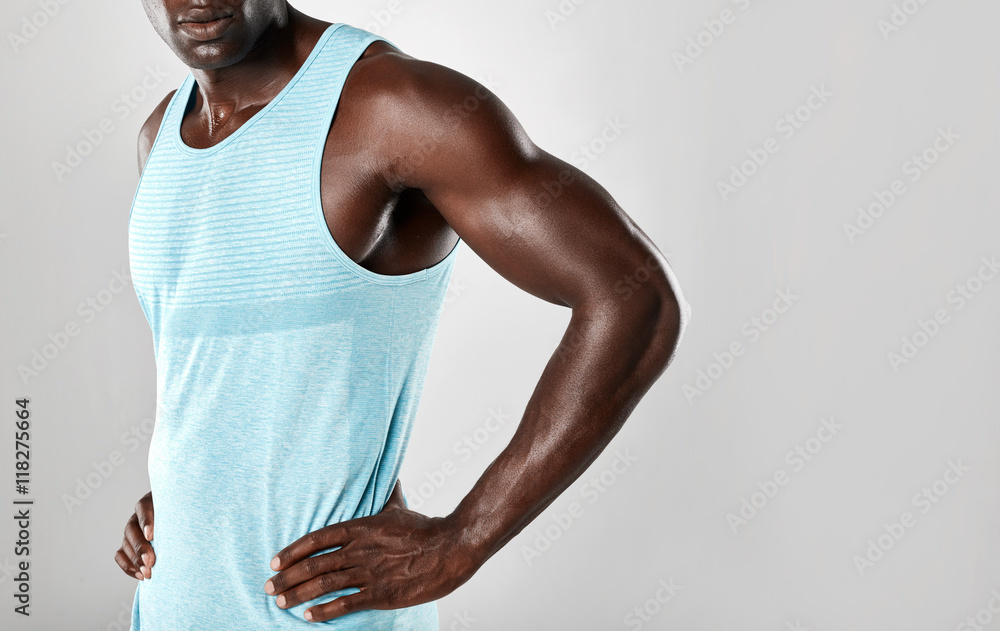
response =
{"points": [[384, 230]]}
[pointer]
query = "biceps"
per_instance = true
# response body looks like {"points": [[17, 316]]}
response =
{"points": [[541, 223], [544, 225]]}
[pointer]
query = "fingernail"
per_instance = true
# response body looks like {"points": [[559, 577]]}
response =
{"points": [[145, 558], [149, 532], [309, 615], [138, 575], [275, 563], [281, 600], [269, 587]]}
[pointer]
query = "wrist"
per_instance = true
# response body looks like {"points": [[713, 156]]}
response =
{"points": [[467, 541]]}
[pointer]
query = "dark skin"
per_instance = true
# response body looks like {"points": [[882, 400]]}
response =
{"points": [[418, 155]]}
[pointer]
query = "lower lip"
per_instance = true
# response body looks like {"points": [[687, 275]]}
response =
{"points": [[205, 31]]}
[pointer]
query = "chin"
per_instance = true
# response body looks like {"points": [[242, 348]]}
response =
{"points": [[209, 55]]}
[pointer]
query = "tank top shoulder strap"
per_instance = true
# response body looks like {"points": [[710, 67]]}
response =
{"points": [[319, 83], [178, 103]]}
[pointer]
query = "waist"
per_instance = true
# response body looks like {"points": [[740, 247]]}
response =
{"points": [[222, 516]]}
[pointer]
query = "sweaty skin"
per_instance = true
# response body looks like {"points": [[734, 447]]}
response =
{"points": [[418, 155]]}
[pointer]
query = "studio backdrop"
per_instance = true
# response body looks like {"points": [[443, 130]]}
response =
{"points": [[822, 454]]}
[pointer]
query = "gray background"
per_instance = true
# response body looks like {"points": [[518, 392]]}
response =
{"points": [[794, 563]]}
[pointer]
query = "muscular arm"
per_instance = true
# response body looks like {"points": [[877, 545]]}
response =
{"points": [[553, 231]]}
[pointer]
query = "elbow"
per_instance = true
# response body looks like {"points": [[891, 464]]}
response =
{"points": [[649, 318], [683, 308], [673, 319], [669, 316]]}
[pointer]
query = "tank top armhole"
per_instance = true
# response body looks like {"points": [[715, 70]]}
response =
{"points": [[316, 176], [157, 140]]}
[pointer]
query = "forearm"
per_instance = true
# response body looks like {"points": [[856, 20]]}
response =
{"points": [[607, 360]]}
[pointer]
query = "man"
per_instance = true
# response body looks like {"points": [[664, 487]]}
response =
{"points": [[300, 202]]}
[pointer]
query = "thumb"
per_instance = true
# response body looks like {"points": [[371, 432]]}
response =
{"points": [[144, 511], [396, 499]]}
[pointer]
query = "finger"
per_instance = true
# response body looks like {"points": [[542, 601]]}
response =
{"points": [[142, 548], [144, 522], [322, 584], [307, 569], [144, 512], [329, 537], [130, 553], [341, 606], [123, 562], [132, 558], [145, 525]]}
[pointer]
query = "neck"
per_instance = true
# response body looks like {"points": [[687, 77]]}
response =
{"points": [[257, 78]]}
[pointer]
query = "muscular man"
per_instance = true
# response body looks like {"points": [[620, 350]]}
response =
{"points": [[301, 198]]}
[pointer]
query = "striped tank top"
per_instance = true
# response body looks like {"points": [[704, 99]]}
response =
{"points": [[287, 376]]}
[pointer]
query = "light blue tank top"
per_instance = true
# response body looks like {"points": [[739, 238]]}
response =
{"points": [[288, 376]]}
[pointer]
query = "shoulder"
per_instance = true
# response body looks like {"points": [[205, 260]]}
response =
{"points": [[406, 106], [149, 129], [391, 80], [393, 73]]}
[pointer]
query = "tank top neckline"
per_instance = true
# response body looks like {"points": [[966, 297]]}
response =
{"points": [[183, 97]]}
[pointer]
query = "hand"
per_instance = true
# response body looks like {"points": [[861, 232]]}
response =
{"points": [[397, 558], [136, 556]]}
